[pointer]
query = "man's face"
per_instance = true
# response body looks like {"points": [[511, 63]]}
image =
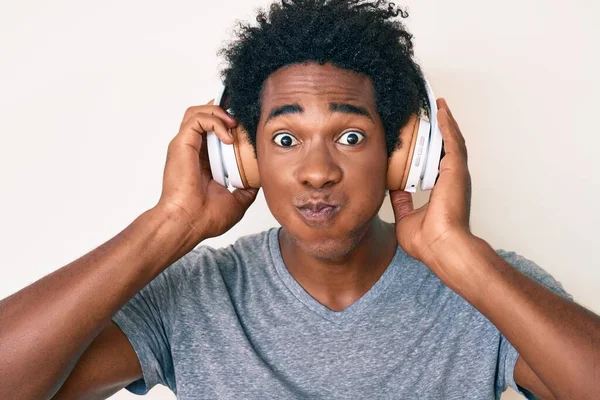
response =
{"points": [[321, 156]]}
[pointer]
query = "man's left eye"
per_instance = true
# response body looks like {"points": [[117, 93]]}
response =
{"points": [[351, 138]]}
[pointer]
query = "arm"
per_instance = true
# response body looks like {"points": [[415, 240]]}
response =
{"points": [[556, 338], [47, 327], [527, 379], [108, 365]]}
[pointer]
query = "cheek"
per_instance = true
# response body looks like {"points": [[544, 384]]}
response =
{"points": [[365, 184], [275, 180], [366, 172]]}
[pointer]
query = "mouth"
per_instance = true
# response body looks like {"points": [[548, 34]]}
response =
{"points": [[318, 213]]}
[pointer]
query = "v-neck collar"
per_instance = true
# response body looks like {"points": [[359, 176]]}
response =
{"points": [[318, 308]]}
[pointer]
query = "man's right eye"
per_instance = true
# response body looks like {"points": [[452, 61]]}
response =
{"points": [[285, 140]]}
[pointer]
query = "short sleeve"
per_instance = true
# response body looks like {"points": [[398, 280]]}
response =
{"points": [[507, 354], [145, 321]]}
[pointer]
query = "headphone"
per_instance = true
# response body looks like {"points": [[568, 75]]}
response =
{"points": [[417, 159]]}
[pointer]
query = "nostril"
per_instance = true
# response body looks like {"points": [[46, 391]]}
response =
{"points": [[319, 175], [318, 185]]}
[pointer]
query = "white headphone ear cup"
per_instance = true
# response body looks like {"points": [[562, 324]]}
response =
{"points": [[434, 156], [231, 167], [215, 158], [434, 153], [417, 159]]}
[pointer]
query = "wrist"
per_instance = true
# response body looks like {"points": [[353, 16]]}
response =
{"points": [[448, 245], [180, 222], [461, 260]]}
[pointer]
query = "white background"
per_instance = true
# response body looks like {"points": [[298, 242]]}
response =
{"points": [[91, 93]]}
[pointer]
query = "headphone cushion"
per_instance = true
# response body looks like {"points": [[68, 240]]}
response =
{"points": [[399, 161], [246, 160]]}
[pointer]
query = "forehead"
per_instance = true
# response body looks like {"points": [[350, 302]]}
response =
{"points": [[313, 83]]}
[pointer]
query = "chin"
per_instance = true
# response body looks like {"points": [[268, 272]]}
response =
{"points": [[332, 240], [331, 247]]}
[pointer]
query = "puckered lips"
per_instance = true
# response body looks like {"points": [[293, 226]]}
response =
{"points": [[318, 212]]}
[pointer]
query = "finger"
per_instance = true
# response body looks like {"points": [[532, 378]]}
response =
{"points": [[210, 110], [402, 204], [454, 185], [191, 133], [442, 103], [245, 197], [452, 144], [454, 181], [204, 160]]}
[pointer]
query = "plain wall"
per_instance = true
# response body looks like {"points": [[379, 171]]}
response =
{"points": [[91, 93]]}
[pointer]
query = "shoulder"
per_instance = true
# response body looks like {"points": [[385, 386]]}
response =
{"points": [[208, 263], [533, 270], [429, 289]]}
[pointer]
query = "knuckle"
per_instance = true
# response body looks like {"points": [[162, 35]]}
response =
{"points": [[188, 112], [197, 111], [198, 119], [172, 144], [201, 116]]}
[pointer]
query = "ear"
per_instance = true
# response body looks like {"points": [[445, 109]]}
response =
{"points": [[399, 161]]}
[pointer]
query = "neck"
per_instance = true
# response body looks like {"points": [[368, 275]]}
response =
{"points": [[338, 283]]}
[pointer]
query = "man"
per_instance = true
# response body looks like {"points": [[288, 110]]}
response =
{"points": [[336, 303]]}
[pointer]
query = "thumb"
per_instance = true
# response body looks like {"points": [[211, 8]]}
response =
{"points": [[402, 204], [245, 197]]}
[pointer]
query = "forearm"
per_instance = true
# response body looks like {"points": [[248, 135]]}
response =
{"points": [[46, 326], [558, 339]]}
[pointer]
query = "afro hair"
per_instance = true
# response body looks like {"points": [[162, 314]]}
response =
{"points": [[361, 36]]}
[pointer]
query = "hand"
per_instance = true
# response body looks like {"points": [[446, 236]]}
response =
{"points": [[447, 213], [189, 190]]}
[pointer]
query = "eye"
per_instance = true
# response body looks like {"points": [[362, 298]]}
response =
{"points": [[351, 138], [285, 140]]}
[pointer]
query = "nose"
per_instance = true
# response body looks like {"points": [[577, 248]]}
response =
{"points": [[318, 168]]}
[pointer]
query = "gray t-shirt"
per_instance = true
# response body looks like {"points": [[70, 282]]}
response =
{"points": [[233, 323]]}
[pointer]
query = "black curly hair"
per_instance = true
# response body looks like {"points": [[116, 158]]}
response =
{"points": [[361, 36]]}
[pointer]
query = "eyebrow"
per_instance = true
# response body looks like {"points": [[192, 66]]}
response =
{"points": [[334, 107]]}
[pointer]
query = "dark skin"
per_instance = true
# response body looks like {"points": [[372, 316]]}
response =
{"points": [[339, 263], [336, 261]]}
